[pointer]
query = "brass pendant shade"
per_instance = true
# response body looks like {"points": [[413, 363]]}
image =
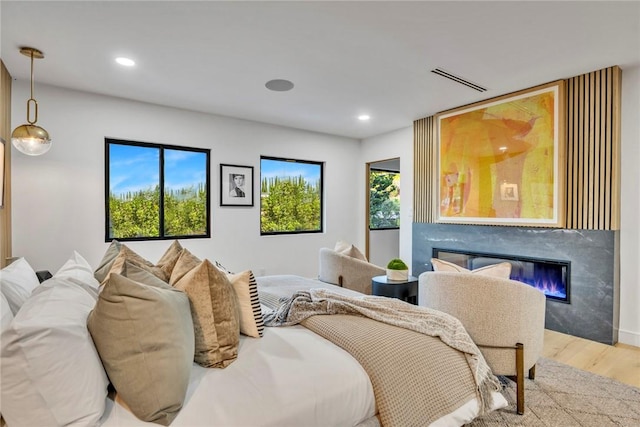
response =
{"points": [[29, 138]]}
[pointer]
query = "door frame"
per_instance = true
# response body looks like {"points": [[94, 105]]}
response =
{"points": [[367, 202]]}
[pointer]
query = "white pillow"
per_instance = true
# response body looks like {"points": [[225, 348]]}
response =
{"points": [[17, 280], [78, 268], [6, 315], [51, 372]]}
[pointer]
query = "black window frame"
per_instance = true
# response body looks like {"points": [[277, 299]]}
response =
{"points": [[289, 160], [161, 172]]}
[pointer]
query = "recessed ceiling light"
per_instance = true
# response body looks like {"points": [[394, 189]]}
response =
{"points": [[279, 85], [364, 117], [125, 61]]}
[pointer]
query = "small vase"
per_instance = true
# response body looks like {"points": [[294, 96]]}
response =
{"points": [[397, 275]]}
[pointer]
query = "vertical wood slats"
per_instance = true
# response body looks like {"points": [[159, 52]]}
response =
{"points": [[593, 150], [593, 103], [5, 132], [425, 170]]}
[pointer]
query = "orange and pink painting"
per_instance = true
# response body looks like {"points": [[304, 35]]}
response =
{"points": [[500, 160]]}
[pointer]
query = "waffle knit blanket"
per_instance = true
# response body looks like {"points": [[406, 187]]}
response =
{"points": [[422, 363]]}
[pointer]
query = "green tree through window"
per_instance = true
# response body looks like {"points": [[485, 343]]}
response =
{"points": [[290, 196], [384, 199], [137, 208]]}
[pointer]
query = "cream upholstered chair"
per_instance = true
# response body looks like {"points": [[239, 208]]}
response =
{"points": [[349, 272], [505, 318]]}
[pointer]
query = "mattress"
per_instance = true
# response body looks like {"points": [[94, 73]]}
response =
{"points": [[289, 377]]}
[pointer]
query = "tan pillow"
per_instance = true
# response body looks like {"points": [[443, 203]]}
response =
{"points": [[144, 336], [349, 250], [215, 313], [168, 260], [185, 263], [502, 269], [124, 256], [110, 255], [251, 323]]}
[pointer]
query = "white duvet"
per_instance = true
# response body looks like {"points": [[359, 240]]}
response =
{"points": [[289, 377]]}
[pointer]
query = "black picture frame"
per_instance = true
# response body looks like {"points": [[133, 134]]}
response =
{"points": [[236, 185]]}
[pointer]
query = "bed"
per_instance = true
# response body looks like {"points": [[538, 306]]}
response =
{"points": [[54, 374]]}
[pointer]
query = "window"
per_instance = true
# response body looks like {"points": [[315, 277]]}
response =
{"points": [[384, 199], [137, 209], [290, 196]]}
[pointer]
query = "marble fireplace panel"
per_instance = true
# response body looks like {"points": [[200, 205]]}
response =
{"points": [[593, 310]]}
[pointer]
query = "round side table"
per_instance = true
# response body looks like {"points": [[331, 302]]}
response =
{"points": [[406, 290]]}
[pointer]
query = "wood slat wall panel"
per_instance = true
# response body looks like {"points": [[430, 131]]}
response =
{"points": [[424, 163], [592, 154], [593, 150], [5, 132]]}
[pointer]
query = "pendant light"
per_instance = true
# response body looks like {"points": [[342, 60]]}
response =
{"points": [[29, 138]]}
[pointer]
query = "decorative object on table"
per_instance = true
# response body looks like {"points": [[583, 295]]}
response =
{"points": [[397, 270], [236, 185]]}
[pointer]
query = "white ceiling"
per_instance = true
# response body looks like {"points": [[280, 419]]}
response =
{"points": [[345, 58]]}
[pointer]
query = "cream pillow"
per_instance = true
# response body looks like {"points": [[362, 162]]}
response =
{"points": [[144, 335], [215, 313], [502, 270], [349, 250], [251, 322], [17, 281]]}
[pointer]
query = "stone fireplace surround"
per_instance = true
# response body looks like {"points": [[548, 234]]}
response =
{"points": [[594, 308]]}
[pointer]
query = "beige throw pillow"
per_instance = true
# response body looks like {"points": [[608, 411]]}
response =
{"points": [[215, 313], [349, 250], [502, 270], [124, 256], [168, 260], [185, 263], [144, 336], [109, 258], [251, 322]]}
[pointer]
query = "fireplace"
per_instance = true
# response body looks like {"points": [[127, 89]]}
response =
{"points": [[593, 270], [550, 276]]}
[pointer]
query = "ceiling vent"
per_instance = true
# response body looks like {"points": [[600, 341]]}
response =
{"points": [[448, 75]]}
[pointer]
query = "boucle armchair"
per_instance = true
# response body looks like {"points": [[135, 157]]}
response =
{"points": [[346, 271], [504, 317]]}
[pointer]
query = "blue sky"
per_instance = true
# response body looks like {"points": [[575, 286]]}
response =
{"points": [[272, 168], [134, 168]]}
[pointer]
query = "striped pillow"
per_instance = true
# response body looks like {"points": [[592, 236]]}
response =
{"points": [[246, 288]]}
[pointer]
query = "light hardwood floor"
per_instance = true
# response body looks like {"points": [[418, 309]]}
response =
{"points": [[620, 362]]}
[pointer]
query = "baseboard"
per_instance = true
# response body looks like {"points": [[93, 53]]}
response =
{"points": [[629, 337]]}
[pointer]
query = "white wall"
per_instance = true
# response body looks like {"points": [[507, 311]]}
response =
{"points": [[384, 245], [394, 144], [58, 198], [629, 332]]}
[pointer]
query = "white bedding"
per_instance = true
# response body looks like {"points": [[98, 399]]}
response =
{"points": [[290, 377]]}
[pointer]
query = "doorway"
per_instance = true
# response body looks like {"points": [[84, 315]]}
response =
{"points": [[382, 236]]}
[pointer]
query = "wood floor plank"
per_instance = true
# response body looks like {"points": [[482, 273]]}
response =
{"points": [[620, 362]]}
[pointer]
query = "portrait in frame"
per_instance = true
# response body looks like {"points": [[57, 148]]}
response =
{"points": [[502, 161], [236, 185]]}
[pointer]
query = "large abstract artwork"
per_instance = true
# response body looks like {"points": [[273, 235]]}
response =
{"points": [[501, 161]]}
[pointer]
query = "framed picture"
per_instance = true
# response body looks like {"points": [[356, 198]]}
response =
{"points": [[236, 185], [502, 161]]}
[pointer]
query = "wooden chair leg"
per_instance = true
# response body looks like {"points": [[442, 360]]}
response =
{"points": [[520, 378], [532, 372], [339, 280]]}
